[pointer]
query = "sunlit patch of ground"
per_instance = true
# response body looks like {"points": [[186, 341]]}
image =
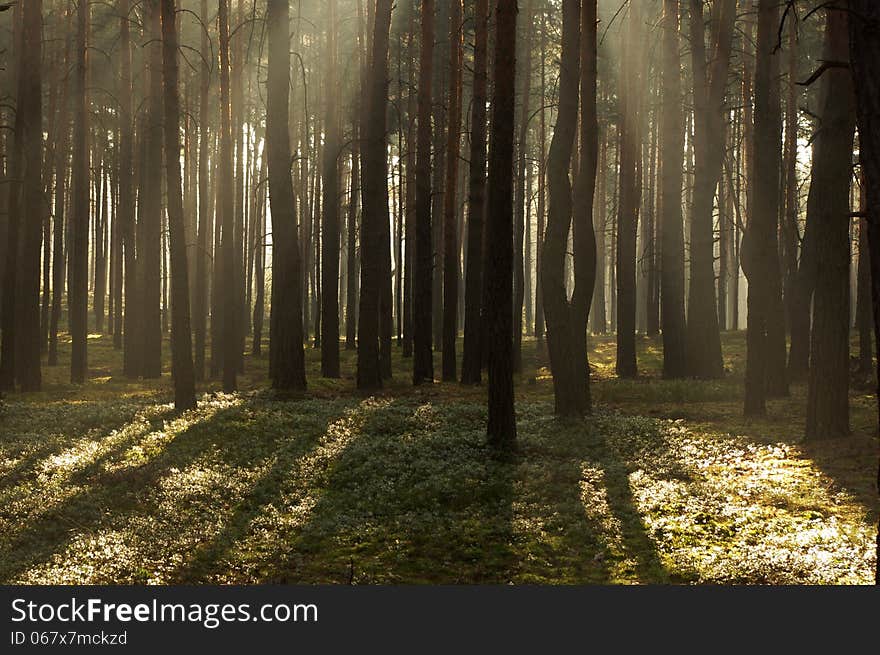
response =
{"points": [[105, 483]]}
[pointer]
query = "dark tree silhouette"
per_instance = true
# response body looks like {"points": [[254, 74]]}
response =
{"points": [[864, 57], [286, 322], [375, 203], [423, 359], [827, 209], [671, 233], [471, 364], [501, 429], [181, 336], [79, 264]]}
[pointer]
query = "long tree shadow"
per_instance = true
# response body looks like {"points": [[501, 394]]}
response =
{"points": [[417, 498], [239, 550], [241, 437], [80, 424], [581, 519]]}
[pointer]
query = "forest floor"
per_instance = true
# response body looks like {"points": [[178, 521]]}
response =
{"points": [[667, 483]]}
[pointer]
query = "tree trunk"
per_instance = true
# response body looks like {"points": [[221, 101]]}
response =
{"points": [[423, 364], [200, 297], [710, 81], [29, 128], [519, 221], [790, 232], [227, 304], [542, 189], [865, 65], [863, 296], [471, 365], [628, 204], [62, 156], [375, 202], [450, 214], [150, 201], [671, 231], [501, 428], [567, 320], [759, 256], [828, 207], [181, 336], [286, 323], [79, 280], [351, 270], [330, 223]]}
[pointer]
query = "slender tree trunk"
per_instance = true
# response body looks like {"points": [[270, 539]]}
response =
{"points": [[62, 157], [30, 111], [542, 189], [78, 289], [759, 257], [863, 295], [130, 347], [200, 297], [471, 365], [501, 429], [567, 320], [790, 232], [48, 160], [525, 72], [423, 365], [710, 82], [598, 309], [410, 214], [229, 335], [438, 192], [100, 220], [286, 352], [374, 225], [628, 204], [150, 201], [828, 206], [671, 232], [330, 223], [351, 241], [450, 214], [865, 64], [181, 336]]}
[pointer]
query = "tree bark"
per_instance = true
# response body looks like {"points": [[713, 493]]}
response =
{"points": [[519, 224], [150, 201], [710, 81], [423, 364], [759, 245], [330, 223], [671, 230], [828, 208], [79, 281], [471, 365], [227, 304], [62, 157], [181, 336], [501, 428], [450, 215], [865, 64], [286, 352], [375, 203], [628, 205], [29, 128], [567, 319]]}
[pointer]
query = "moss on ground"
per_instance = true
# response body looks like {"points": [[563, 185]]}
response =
{"points": [[105, 483]]}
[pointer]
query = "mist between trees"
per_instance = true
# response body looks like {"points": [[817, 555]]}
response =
{"points": [[465, 177]]}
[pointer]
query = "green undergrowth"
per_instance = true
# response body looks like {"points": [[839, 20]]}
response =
{"points": [[666, 483]]}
